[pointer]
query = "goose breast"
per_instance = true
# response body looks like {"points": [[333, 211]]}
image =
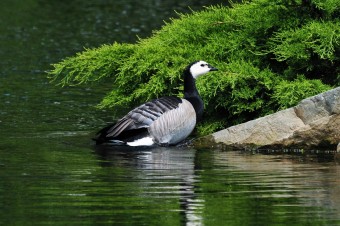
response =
{"points": [[175, 125]]}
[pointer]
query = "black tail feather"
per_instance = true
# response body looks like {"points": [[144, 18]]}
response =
{"points": [[125, 136], [101, 135]]}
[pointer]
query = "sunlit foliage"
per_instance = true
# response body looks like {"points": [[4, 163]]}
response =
{"points": [[270, 55]]}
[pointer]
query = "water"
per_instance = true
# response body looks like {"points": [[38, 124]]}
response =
{"points": [[65, 183], [51, 174]]}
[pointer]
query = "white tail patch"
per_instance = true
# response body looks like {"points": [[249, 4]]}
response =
{"points": [[145, 141]]}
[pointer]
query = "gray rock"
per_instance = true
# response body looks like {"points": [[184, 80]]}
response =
{"points": [[319, 106], [314, 122], [262, 131]]}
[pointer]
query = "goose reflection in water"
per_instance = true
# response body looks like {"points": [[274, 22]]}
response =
{"points": [[160, 172]]}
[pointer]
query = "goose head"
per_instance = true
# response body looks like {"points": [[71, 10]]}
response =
{"points": [[199, 68]]}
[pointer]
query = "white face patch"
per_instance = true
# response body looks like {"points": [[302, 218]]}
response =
{"points": [[199, 68]]}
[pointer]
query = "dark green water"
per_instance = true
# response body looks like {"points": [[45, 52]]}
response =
{"points": [[51, 174]]}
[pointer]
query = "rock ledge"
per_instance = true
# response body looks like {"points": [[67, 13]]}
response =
{"points": [[313, 123]]}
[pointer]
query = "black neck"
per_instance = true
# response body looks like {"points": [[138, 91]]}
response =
{"points": [[191, 94]]}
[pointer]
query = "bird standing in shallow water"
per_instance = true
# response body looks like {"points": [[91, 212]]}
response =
{"points": [[163, 121]]}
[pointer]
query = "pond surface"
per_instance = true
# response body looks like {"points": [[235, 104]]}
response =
{"points": [[51, 174]]}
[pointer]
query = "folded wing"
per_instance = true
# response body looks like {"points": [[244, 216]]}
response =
{"points": [[140, 117]]}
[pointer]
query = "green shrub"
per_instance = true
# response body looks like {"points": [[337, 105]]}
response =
{"points": [[91, 65], [289, 93], [261, 48]]}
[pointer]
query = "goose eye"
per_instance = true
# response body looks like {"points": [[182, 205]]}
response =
{"points": [[202, 65]]}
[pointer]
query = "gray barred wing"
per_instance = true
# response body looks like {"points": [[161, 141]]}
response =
{"points": [[144, 115]]}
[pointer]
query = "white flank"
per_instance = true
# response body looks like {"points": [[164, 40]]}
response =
{"points": [[146, 141]]}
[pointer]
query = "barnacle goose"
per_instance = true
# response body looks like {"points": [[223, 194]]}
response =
{"points": [[163, 121]]}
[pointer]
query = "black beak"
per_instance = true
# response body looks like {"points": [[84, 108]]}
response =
{"points": [[212, 68]]}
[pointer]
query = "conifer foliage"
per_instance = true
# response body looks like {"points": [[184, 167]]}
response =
{"points": [[270, 55]]}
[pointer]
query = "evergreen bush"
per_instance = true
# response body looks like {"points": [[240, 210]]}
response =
{"points": [[270, 55]]}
